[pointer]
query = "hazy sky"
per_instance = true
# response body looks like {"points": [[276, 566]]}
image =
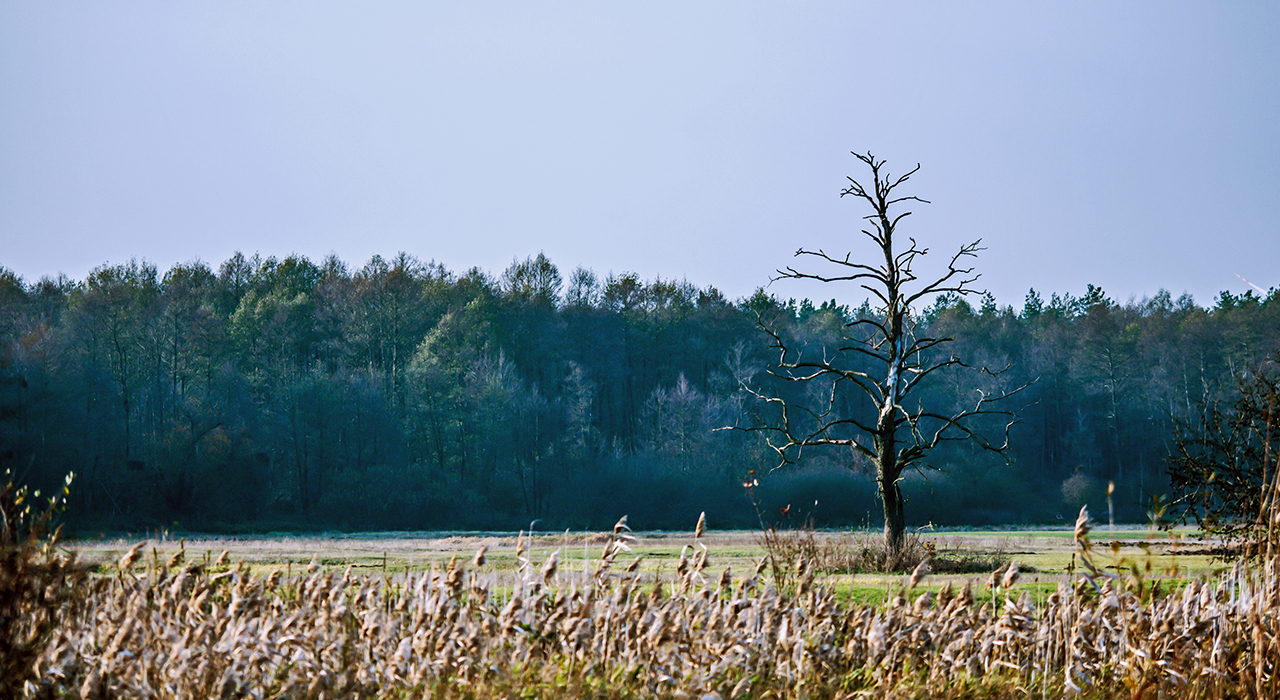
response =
{"points": [[1135, 146]]}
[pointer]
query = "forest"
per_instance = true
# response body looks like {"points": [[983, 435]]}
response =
{"points": [[286, 395]]}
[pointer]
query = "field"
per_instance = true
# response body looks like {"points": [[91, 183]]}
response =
{"points": [[610, 615], [1045, 555]]}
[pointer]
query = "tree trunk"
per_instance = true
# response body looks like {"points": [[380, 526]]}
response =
{"points": [[895, 522], [887, 472]]}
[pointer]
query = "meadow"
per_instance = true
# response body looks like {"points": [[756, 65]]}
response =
{"points": [[674, 614], [1045, 554]]}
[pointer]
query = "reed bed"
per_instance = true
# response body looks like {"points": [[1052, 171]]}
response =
{"points": [[159, 626]]}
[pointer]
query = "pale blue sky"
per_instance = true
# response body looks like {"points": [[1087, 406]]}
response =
{"points": [[1129, 145]]}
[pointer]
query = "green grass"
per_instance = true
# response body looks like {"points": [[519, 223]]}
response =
{"points": [[1044, 555]]}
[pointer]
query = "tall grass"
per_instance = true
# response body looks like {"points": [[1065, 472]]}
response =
{"points": [[39, 586], [158, 625], [866, 552], [791, 549]]}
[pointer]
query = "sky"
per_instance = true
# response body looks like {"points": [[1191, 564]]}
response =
{"points": [[1134, 146]]}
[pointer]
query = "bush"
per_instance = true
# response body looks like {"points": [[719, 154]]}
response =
{"points": [[1080, 490], [845, 554]]}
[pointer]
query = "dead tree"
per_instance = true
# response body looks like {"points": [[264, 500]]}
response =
{"points": [[879, 362]]}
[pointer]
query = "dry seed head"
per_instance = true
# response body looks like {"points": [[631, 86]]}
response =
{"points": [[700, 560], [453, 577], [655, 593], [1010, 576], [701, 527], [923, 603], [945, 593], [994, 579], [132, 556], [549, 568], [1082, 528], [479, 558], [918, 574]]}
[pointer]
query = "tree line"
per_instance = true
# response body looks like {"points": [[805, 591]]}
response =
{"points": [[283, 394]]}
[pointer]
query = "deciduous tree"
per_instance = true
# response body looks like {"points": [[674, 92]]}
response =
{"points": [[859, 388], [1223, 469]]}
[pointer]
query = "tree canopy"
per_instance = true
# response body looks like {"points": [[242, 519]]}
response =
{"points": [[287, 393]]}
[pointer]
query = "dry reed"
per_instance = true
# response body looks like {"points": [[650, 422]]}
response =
{"points": [[163, 627]]}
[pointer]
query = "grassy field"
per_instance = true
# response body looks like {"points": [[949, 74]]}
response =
{"points": [[1044, 555]]}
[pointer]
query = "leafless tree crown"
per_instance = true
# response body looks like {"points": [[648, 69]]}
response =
{"points": [[880, 357]]}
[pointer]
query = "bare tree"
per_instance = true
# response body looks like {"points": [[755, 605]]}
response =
{"points": [[880, 359], [1223, 466]]}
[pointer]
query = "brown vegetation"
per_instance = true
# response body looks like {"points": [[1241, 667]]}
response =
{"points": [[38, 586], [161, 626]]}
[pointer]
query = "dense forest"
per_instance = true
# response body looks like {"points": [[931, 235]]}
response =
{"points": [[274, 394]]}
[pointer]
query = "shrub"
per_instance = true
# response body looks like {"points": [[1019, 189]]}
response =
{"points": [[1080, 490]]}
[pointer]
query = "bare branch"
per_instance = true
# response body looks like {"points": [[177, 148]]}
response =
{"points": [[898, 438], [968, 277]]}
